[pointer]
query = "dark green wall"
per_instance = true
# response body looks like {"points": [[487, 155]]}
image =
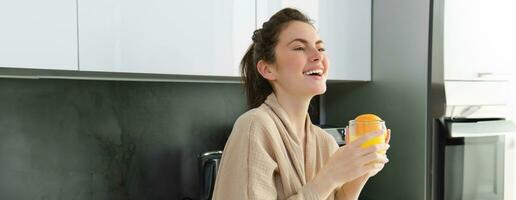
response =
{"points": [[71, 139], [398, 94]]}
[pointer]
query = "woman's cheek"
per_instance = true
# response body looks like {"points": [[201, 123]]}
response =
{"points": [[326, 62]]}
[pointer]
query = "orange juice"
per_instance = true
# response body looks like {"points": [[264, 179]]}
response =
{"points": [[365, 124]]}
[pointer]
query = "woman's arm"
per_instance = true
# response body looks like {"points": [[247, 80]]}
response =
{"points": [[352, 189]]}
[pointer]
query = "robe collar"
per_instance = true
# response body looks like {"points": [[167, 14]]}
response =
{"points": [[303, 161]]}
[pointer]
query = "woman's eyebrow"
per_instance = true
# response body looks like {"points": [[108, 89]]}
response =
{"points": [[304, 41]]}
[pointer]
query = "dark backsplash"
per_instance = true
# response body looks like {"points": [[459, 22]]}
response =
{"points": [[72, 139], [116, 140]]}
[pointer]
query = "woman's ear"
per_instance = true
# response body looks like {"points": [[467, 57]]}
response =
{"points": [[266, 70]]}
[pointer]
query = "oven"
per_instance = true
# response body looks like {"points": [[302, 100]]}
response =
{"points": [[467, 141]]}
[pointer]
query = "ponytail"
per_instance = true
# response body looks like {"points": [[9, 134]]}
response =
{"points": [[256, 87]]}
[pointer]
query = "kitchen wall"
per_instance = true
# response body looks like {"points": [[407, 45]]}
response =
{"points": [[398, 94], [73, 139]]}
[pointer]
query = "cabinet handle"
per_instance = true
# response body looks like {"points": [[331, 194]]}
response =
{"points": [[482, 74]]}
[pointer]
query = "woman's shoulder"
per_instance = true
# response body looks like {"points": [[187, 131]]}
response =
{"points": [[254, 117], [256, 124]]}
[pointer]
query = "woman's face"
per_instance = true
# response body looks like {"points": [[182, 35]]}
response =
{"points": [[301, 66]]}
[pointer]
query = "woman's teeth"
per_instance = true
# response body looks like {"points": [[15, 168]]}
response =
{"points": [[313, 72]]}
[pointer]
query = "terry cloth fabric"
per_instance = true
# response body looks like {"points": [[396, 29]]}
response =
{"points": [[264, 159]]}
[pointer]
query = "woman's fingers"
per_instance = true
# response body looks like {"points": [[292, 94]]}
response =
{"points": [[388, 136], [373, 158], [365, 138], [371, 169], [374, 148], [374, 168]]}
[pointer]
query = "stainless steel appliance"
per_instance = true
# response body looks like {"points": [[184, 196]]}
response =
{"points": [[467, 140], [468, 111], [336, 132], [474, 149], [208, 165]]}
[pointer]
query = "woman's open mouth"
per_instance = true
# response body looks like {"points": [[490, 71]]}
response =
{"points": [[316, 73]]}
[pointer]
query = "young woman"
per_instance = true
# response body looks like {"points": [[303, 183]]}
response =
{"points": [[274, 150]]}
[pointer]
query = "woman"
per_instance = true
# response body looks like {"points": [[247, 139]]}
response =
{"points": [[274, 151]]}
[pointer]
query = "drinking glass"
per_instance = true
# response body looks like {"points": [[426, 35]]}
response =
{"points": [[360, 128]]}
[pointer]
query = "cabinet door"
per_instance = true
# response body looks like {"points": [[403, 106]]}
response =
{"points": [[38, 34], [345, 28], [186, 37], [266, 8], [479, 39]]}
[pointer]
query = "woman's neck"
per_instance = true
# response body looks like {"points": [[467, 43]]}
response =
{"points": [[296, 108]]}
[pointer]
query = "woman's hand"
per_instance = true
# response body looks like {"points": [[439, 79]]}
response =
{"points": [[352, 189], [351, 162], [387, 136], [387, 140]]}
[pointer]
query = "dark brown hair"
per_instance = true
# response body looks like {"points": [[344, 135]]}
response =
{"points": [[265, 40]]}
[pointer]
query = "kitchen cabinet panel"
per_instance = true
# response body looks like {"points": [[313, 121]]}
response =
{"points": [[38, 34], [344, 26], [479, 39], [165, 37], [266, 8]]}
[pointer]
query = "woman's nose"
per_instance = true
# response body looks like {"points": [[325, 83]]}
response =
{"points": [[315, 55]]}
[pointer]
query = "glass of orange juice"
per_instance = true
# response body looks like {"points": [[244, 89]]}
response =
{"points": [[364, 124]]}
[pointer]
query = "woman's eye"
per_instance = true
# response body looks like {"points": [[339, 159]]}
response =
{"points": [[322, 49], [299, 49]]}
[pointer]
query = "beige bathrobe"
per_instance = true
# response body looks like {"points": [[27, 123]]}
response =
{"points": [[263, 158]]}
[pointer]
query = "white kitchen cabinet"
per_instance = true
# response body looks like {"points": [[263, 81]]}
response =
{"points": [[479, 39], [185, 37], [345, 28], [38, 34], [266, 8]]}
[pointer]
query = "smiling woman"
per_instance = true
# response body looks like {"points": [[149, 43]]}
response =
{"points": [[274, 150], [261, 58]]}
